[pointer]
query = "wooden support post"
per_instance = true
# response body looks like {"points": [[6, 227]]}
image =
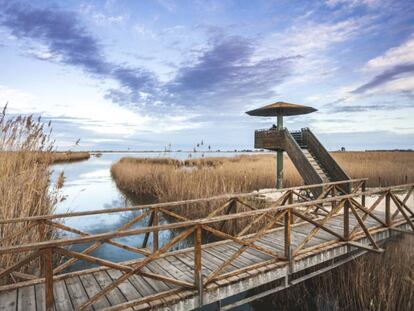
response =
{"points": [[363, 188], [288, 245], [288, 222], [150, 222], [48, 274], [42, 237], [334, 195], [346, 220], [290, 201], [155, 233], [198, 277], [388, 220]]}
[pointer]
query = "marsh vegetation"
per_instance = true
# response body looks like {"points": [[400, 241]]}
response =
{"points": [[24, 181], [370, 282], [165, 179]]}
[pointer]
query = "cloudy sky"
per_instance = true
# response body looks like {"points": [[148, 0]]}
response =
{"points": [[145, 74]]}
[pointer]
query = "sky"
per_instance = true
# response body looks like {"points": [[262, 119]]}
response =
{"points": [[142, 75]]}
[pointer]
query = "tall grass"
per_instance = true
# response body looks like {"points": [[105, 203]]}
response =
{"points": [[69, 156], [382, 168], [197, 178], [371, 282], [167, 179], [24, 180]]}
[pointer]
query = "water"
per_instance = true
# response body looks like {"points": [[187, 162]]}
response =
{"points": [[89, 186]]}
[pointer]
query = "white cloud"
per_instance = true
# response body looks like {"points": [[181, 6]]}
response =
{"points": [[14, 97], [313, 42], [401, 54], [354, 3], [99, 17], [144, 31], [401, 85]]}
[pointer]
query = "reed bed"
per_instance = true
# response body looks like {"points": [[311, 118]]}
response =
{"points": [[382, 168], [69, 156], [165, 179], [371, 282], [24, 181], [154, 180], [197, 178]]}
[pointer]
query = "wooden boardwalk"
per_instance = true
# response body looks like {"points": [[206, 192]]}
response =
{"points": [[291, 241]]}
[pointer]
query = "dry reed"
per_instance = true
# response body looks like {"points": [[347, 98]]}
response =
{"points": [[371, 282], [24, 180], [197, 178], [167, 179], [69, 156], [382, 168]]}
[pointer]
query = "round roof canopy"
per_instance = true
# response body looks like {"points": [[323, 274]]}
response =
{"points": [[281, 108]]}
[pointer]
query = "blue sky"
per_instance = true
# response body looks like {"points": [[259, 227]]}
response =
{"points": [[145, 74]]}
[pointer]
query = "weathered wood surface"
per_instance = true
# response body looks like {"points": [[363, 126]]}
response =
{"points": [[334, 171], [71, 292], [271, 139], [302, 164]]}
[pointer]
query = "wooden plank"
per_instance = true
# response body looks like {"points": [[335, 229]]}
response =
{"points": [[250, 255], [40, 297], [299, 236], [319, 235], [8, 300], [76, 291], [265, 243], [92, 288], [126, 288], [62, 299], [245, 258], [211, 260], [160, 286], [114, 296], [301, 162], [26, 299], [166, 269], [175, 270], [143, 287]]}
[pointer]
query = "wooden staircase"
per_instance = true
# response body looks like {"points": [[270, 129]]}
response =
{"points": [[312, 160], [316, 165]]}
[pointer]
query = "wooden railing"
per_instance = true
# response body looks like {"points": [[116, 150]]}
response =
{"points": [[292, 206]]}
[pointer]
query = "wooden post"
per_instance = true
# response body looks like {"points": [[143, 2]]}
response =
{"points": [[346, 220], [388, 209], [364, 184], [48, 273], [155, 233], [279, 156], [198, 277], [150, 223], [333, 195], [42, 236], [288, 221]]}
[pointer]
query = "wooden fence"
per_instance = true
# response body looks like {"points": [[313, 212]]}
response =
{"points": [[292, 206]]}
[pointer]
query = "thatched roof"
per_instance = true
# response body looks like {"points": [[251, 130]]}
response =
{"points": [[281, 108]]}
